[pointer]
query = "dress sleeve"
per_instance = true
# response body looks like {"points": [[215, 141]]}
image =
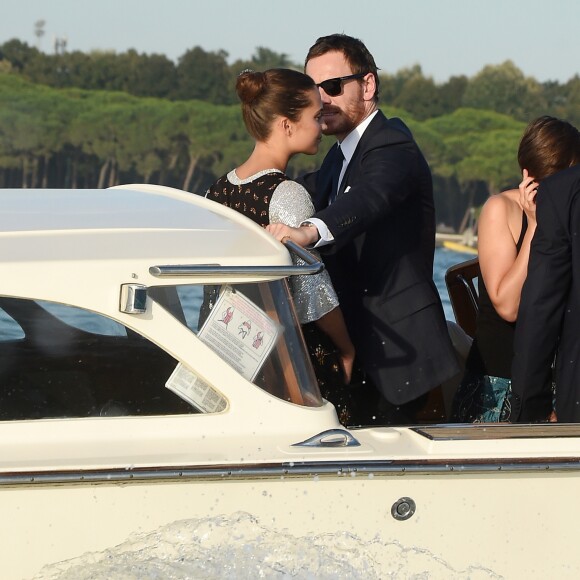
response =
{"points": [[314, 296]]}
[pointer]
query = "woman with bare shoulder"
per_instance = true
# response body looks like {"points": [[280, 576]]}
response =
{"points": [[505, 230]]}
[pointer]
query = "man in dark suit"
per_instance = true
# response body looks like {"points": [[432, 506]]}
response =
{"points": [[376, 230], [549, 312]]}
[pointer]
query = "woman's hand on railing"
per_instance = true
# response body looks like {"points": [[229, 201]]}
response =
{"points": [[304, 235]]}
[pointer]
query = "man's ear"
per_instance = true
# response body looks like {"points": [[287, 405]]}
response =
{"points": [[369, 87]]}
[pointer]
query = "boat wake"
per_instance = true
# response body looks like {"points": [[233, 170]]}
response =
{"points": [[238, 546]]}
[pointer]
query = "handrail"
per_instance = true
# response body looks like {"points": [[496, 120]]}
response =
{"points": [[467, 286], [462, 293], [312, 266]]}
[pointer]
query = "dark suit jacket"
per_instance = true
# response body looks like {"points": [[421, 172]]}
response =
{"points": [[549, 312], [381, 262]]}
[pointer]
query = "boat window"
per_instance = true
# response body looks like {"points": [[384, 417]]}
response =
{"points": [[84, 319], [53, 363], [9, 328], [244, 319]]}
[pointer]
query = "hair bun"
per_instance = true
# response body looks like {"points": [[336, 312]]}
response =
{"points": [[250, 85]]}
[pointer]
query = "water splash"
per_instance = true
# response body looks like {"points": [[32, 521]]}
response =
{"points": [[238, 546]]}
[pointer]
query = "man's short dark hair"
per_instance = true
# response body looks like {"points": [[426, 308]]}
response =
{"points": [[355, 52]]}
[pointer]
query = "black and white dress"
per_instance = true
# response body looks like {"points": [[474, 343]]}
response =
{"points": [[271, 197]]}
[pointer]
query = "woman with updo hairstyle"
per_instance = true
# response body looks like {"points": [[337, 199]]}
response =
{"points": [[506, 227], [282, 111], [270, 94]]}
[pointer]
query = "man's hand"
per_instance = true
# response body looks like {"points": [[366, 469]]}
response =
{"points": [[303, 236]]}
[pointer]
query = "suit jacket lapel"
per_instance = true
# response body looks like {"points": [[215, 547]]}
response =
{"points": [[373, 127]]}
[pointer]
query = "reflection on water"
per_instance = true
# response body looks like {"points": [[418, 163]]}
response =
{"points": [[240, 547]]}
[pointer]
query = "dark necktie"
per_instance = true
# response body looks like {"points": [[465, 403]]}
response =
{"points": [[336, 169]]}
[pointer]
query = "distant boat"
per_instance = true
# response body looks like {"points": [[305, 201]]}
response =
{"points": [[458, 247], [465, 242]]}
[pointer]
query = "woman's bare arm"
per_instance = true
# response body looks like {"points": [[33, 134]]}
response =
{"points": [[503, 269]]}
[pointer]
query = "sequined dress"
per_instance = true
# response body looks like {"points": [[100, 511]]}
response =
{"points": [[270, 196]]}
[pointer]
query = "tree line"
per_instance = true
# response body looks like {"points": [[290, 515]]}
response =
{"points": [[74, 119]]}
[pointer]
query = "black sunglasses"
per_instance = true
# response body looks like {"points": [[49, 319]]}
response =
{"points": [[333, 87]]}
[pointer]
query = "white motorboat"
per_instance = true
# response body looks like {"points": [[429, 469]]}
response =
{"points": [[126, 404]]}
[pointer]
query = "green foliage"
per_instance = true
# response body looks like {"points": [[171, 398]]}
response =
{"points": [[204, 76], [491, 158], [476, 146], [263, 59], [95, 119], [472, 121], [18, 53], [505, 89], [564, 101], [419, 95]]}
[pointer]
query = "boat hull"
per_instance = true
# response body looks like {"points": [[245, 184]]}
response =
{"points": [[464, 515]]}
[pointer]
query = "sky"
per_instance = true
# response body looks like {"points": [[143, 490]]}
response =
{"points": [[445, 37]]}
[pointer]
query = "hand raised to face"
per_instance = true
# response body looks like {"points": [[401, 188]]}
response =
{"points": [[528, 190]]}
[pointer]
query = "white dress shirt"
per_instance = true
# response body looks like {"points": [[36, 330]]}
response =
{"points": [[348, 146]]}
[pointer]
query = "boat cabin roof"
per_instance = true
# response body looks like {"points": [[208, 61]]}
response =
{"points": [[139, 226]]}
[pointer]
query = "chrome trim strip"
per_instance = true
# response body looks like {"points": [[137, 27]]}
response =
{"points": [[312, 266], [329, 469]]}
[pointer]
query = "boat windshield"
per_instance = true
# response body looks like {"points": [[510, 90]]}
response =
{"points": [[254, 328]]}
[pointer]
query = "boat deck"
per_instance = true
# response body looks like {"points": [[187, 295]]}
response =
{"points": [[497, 431]]}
